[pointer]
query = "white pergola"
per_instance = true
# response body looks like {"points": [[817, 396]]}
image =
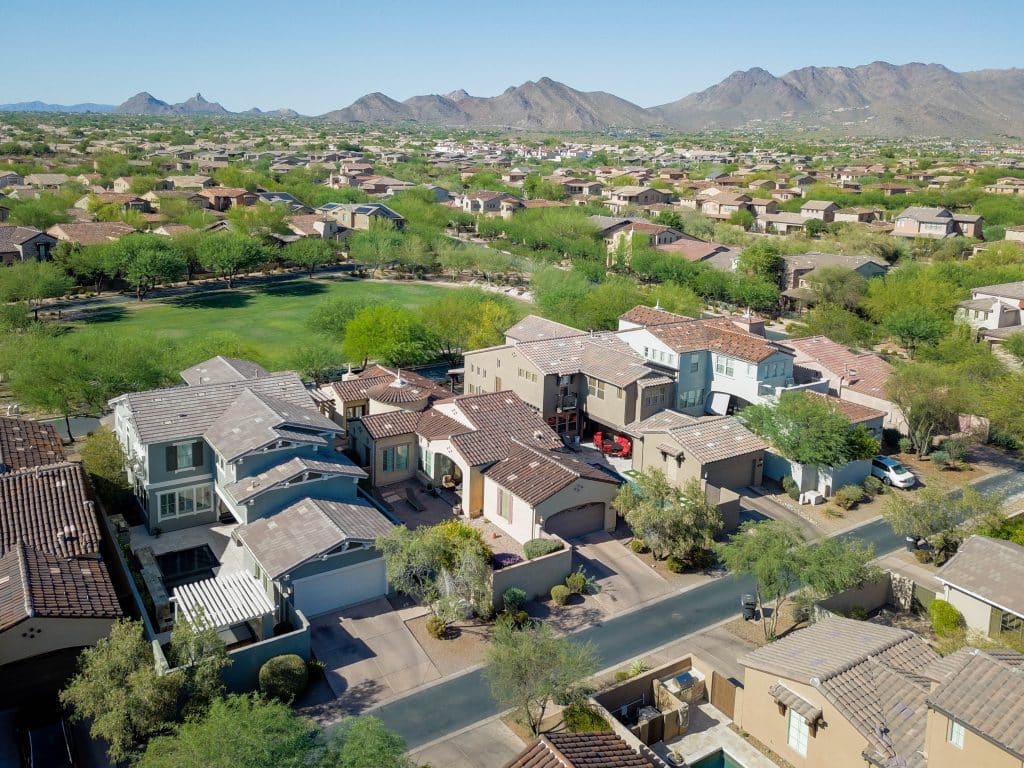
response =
{"points": [[223, 603]]}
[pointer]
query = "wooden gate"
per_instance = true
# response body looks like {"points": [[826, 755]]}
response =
{"points": [[723, 695]]}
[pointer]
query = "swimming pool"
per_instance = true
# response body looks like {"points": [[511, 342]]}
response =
{"points": [[717, 759]]}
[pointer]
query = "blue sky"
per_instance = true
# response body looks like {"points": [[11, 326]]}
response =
{"points": [[318, 56]]}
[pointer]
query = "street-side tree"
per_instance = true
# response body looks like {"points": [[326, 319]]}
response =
{"points": [[464, 320], [119, 690], [940, 517], [91, 265], [767, 552], [930, 397], [309, 253], [375, 246], [145, 261], [807, 429], [669, 520], [32, 281], [529, 668], [237, 731], [364, 742], [229, 254]]}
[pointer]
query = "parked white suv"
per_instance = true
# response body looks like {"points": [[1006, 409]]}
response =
{"points": [[891, 472]]}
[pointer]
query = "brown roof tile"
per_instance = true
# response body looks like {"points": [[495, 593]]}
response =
{"points": [[25, 443], [535, 474], [580, 750]]}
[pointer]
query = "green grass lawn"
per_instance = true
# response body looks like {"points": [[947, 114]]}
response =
{"points": [[272, 318]]}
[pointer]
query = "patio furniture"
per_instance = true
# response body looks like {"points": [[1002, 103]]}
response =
{"points": [[448, 482], [416, 504]]}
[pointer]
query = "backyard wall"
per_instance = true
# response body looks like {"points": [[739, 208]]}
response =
{"points": [[535, 577], [243, 674], [869, 596]]}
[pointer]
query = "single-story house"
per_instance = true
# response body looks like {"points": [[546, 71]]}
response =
{"points": [[983, 581]]}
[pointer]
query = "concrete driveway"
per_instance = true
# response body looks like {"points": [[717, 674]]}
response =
{"points": [[625, 580], [370, 655], [485, 745]]}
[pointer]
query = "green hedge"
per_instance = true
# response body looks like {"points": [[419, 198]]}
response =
{"points": [[284, 677], [535, 548], [946, 620]]}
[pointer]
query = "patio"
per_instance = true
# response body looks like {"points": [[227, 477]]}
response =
{"points": [[216, 537], [708, 734]]}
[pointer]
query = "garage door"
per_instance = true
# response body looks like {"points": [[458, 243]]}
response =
{"points": [[577, 521], [336, 589]]}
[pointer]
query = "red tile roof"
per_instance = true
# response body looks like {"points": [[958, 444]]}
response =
{"points": [[25, 443], [580, 750]]}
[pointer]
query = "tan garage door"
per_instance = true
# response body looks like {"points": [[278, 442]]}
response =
{"points": [[576, 521]]}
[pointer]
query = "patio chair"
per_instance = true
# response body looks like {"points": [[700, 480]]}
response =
{"points": [[416, 504]]}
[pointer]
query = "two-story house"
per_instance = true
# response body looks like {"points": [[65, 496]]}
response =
{"points": [[823, 210], [222, 198], [994, 311], [24, 244], [362, 216], [620, 198], [937, 223]]}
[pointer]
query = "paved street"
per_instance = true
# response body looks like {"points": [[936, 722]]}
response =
{"points": [[458, 702]]}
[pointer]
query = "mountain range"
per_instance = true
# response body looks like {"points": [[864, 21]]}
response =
{"points": [[42, 106], [874, 99]]}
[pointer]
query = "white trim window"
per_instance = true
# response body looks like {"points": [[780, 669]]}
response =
{"points": [[183, 502], [956, 734], [797, 733], [725, 365]]}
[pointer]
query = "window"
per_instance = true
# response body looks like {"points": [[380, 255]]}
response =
{"points": [[427, 462], [618, 392], [694, 362], [396, 458], [185, 501], [505, 504], [797, 735], [1010, 623], [184, 456], [691, 398], [725, 365], [595, 387], [355, 411], [956, 734]]}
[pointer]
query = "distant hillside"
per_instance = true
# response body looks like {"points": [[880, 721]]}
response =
{"points": [[146, 104], [541, 105], [878, 98], [42, 106]]}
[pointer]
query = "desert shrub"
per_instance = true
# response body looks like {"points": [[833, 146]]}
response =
{"points": [[514, 599], [675, 564], [316, 668], [873, 486], [513, 619], [1004, 440], [941, 459], [436, 627], [535, 548], [576, 582], [906, 445], [284, 677], [560, 594], [580, 717], [638, 667], [790, 487], [858, 612], [946, 620], [955, 449], [639, 546], [622, 675], [923, 555], [849, 496], [504, 559]]}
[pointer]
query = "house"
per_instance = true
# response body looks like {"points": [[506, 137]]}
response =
{"points": [[23, 244], [383, 185], [56, 595], [222, 198], [190, 182], [1008, 185], [368, 392], [890, 189], [796, 267], [582, 750], [90, 232], [482, 446], [582, 187], [314, 225], [823, 210], [46, 180], [858, 215], [724, 205], [781, 223], [25, 444], [718, 365], [577, 382], [122, 184], [10, 179], [844, 693], [697, 250], [293, 204], [936, 223], [994, 311], [245, 446], [857, 377], [124, 202], [156, 198], [362, 215], [617, 230], [487, 203], [619, 198], [982, 581]]}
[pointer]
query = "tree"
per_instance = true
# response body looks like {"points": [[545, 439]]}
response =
{"points": [[332, 316], [364, 742], [930, 396], [939, 516], [316, 361], [914, 326], [89, 264], [528, 668], [807, 429], [762, 260], [814, 227], [464, 320], [375, 246], [671, 521], [259, 220], [104, 459], [229, 254], [187, 245], [766, 551], [237, 731], [146, 261], [742, 218], [445, 567], [30, 281], [309, 253], [118, 688], [200, 657], [392, 334], [837, 285], [838, 324]]}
